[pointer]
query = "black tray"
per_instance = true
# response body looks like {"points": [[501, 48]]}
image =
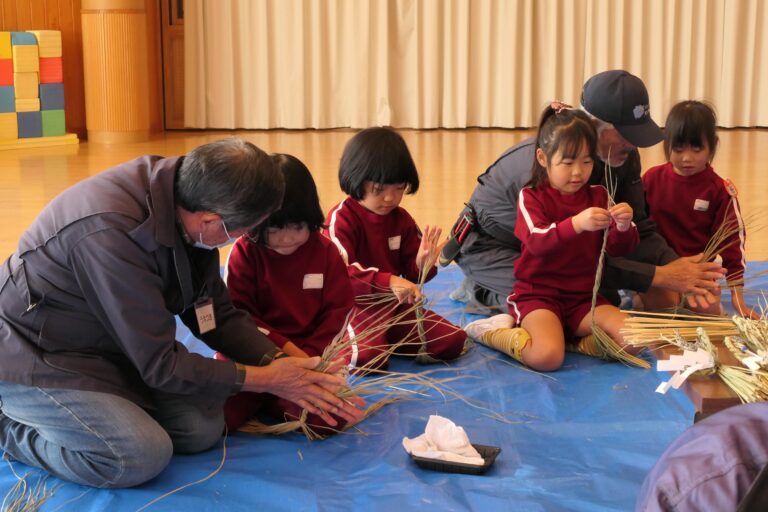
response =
{"points": [[488, 453]]}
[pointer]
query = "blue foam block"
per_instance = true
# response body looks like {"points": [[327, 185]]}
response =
{"points": [[7, 99], [51, 96], [22, 38], [30, 124]]}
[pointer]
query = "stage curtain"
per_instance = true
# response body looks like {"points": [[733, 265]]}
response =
{"points": [[460, 63]]}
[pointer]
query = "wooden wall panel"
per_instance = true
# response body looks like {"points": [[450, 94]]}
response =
{"points": [[64, 15]]}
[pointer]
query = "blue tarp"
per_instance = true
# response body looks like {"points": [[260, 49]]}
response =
{"points": [[580, 439]]}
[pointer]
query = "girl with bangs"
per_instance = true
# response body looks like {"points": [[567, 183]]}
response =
{"points": [[293, 282], [689, 202], [561, 219], [385, 251]]}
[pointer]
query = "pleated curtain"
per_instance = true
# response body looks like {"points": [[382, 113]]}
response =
{"points": [[259, 64]]}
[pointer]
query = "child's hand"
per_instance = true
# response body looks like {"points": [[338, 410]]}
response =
{"points": [[291, 349], [741, 307], [591, 219], [405, 291], [430, 247], [622, 214]]}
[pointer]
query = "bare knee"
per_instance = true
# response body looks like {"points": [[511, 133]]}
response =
{"points": [[544, 357]]}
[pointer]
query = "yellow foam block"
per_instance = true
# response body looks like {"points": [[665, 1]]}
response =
{"points": [[28, 105], [9, 128], [5, 45], [26, 58], [26, 86], [49, 42]]}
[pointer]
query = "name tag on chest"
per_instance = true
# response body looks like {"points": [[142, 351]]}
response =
{"points": [[701, 205], [206, 320], [313, 281], [394, 243]]}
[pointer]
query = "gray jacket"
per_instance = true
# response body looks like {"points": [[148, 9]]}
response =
{"points": [[88, 299], [495, 202]]}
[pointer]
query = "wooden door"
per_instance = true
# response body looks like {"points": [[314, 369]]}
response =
{"points": [[172, 29]]}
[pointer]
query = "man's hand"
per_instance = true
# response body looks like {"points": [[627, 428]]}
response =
{"points": [[691, 276], [294, 379]]}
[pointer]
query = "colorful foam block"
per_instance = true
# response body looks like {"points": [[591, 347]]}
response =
{"points": [[51, 96], [53, 123], [26, 59], [23, 38], [26, 85], [30, 124], [51, 70], [49, 42], [7, 99], [5, 45], [28, 105], [9, 128], [6, 72]]}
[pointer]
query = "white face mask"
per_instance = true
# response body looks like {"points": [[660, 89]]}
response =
{"points": [[201, 245]]}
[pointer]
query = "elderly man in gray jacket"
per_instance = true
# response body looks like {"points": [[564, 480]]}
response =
{"points": [[487, 250], [94, 387]]}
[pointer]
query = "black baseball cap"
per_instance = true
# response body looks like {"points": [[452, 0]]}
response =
{"points": [[620, 98]]}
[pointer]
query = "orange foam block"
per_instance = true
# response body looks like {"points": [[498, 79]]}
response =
{"points": [[51, 70], [6, 72]]}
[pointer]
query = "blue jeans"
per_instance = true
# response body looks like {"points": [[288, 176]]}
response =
{"points": [[99, 439]]}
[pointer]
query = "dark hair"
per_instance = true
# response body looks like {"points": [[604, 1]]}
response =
{"points": [[301, 203], [379, 155], [565, 131], [232, 178], [689, 123]]}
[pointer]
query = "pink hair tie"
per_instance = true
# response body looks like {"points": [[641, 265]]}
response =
{"points": [[559, 106]]}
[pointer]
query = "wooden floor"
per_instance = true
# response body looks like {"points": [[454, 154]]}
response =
{"points": [[448, 163]]}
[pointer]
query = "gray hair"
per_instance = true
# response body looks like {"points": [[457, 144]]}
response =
{"points": [[232, 178], [600, 125]]}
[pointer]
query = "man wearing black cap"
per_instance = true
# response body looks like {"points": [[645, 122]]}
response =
{"points": [[484, 244]]}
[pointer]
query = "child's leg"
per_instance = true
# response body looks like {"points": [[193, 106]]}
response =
{"points": [[242, 407], [499, 333], [611, 320], [368, 330], [659, 299], [443, 341], [546, 350]]}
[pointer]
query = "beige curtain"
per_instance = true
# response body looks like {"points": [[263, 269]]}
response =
{"points": [[459, 63]]}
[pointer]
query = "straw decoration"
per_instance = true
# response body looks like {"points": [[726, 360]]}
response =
{"points": [[605, 346]]}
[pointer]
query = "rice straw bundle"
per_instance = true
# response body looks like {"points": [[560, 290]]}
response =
{"points": [[690, 332], [606, 347], [383, 386], [648, 329]]}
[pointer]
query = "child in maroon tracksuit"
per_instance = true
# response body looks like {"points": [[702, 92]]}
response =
{"points": [[689, 201], [560, 224], [385, 251], [293, 282]]}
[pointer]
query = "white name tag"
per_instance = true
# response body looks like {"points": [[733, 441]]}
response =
{"points": [[701, 205], [313, 281], [394, 243], [206, 321]]}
